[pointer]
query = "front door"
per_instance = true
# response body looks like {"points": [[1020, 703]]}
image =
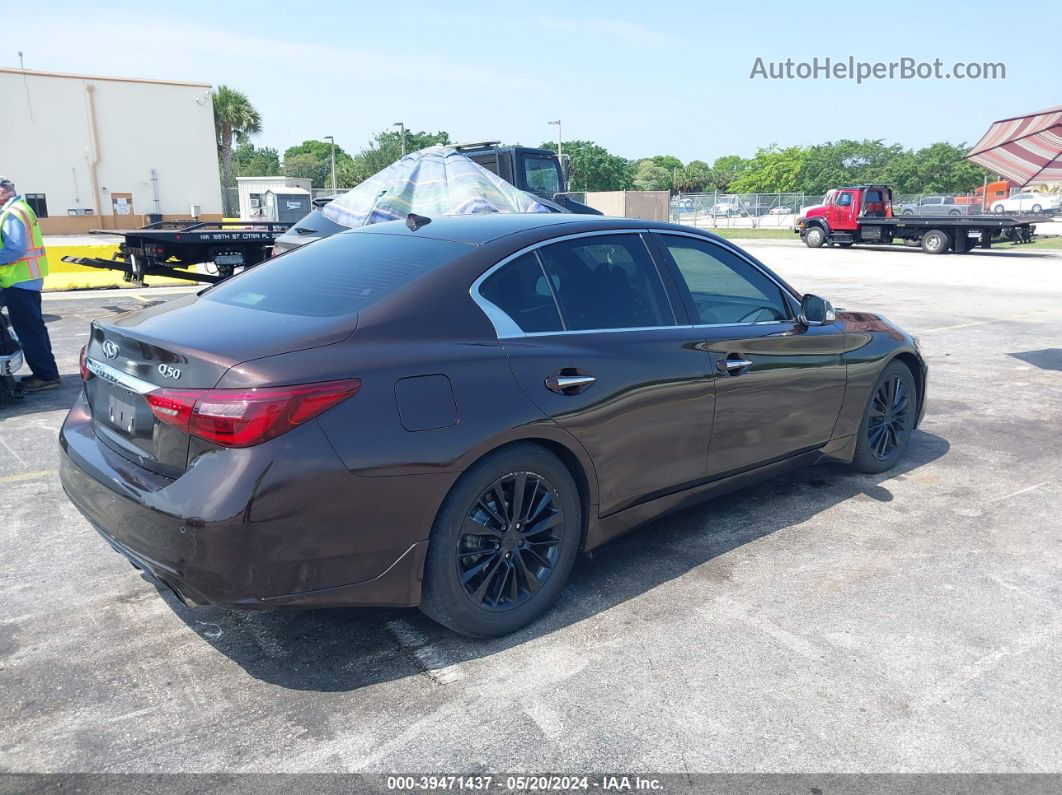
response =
{"points": [[597, 346], [841, 212], [779, 383]]}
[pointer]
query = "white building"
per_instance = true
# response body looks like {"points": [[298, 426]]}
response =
{"points": [[104, 152], [252, 192]]}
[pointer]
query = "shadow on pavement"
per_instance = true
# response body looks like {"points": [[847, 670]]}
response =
{"points": [[37, 402], [346, 649]]}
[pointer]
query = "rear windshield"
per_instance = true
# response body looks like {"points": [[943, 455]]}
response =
{"points": [[338, 275], [316, 224]]}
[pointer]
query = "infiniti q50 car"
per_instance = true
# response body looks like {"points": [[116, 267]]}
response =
{"points": [[444, 413]]}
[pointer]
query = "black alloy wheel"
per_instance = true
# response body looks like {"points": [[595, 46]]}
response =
{"points": [[890, 417], [888, 420], [503, 543], [510, 543]]}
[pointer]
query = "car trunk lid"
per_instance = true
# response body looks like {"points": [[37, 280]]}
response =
{"points": [[135, 354]]}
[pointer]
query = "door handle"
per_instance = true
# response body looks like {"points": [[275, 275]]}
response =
{"points": [[732, 365], [569, 384]]}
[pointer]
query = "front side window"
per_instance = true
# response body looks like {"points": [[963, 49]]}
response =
{"points": [[844, 200], [606, 282], [542, 175], [725, 289]]}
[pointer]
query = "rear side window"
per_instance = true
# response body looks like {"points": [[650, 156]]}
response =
{"points": [[338, 275], [520, 290], [606, 282]]}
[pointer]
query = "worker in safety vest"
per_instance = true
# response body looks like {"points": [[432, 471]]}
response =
{"points": [[23, 266]]}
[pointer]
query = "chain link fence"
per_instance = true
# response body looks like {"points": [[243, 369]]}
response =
{"points": [[742, 210]]}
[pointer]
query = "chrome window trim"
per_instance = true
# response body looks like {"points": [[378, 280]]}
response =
{"points": [[130, 382], [507, 328]]}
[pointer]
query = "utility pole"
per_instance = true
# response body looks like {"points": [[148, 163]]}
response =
{"points": [[402, 134], [332, 138], [560, 145]]}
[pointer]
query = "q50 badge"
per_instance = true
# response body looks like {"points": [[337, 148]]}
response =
{"points": [[169, 371]]}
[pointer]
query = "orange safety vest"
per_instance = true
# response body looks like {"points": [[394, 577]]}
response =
{"points": [[34, 262]]}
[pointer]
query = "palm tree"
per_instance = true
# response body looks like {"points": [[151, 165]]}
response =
{"points": [[235, 119]]}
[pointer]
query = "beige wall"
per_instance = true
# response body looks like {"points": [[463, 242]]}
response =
{"points": [[649, 205], [79, 139]]}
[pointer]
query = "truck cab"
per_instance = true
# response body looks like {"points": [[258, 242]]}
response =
{"points": [[842, 208], [538, 171]]}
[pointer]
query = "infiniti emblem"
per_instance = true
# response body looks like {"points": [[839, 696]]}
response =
{"points": [[110, 349]]}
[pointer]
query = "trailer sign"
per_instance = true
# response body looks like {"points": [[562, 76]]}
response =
{"points": [[236, 236]]}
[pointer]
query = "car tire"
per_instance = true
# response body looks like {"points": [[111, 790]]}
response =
{"points": [[998, 209], [845, 245], [1036, 209], [814, 237], [888, 420], [935, 241], [907, 212], [912, 243], [954, 213], [501, 577]]}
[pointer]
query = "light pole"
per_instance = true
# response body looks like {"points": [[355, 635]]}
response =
{"points": [[560, 150], [402, 134], [333, 140]]}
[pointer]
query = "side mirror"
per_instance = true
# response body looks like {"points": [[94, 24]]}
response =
{"points": [[816, 311], [566, 168]]}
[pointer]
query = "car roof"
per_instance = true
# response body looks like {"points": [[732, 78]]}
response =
{"points": [[480, 229]]}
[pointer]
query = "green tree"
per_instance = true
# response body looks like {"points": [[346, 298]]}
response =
{"points": [[725, 170], [938, 168], [235, 119], [252, 162], [650, 176], [846, 162], [594, 167], [771, 170], [313, 159], [383, 150], [695, 177]]}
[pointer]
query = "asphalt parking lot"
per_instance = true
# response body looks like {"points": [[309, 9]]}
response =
{"points": [[825, 622]]}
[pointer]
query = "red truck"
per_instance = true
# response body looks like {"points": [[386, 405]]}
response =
{"points": [[863, 214]]}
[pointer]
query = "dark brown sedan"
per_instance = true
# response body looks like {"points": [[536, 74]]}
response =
{"points": [[446, 415]]}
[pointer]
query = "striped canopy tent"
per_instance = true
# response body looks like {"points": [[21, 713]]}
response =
{"points": [[432, 182], [1024, 149]]}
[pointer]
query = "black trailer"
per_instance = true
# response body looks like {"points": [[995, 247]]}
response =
{"points": [[955, 233], [173, 248]]}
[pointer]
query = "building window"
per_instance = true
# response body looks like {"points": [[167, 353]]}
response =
{"points": [[256, 200], [38, 203]]}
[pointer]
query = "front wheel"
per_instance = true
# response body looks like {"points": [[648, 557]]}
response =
{"points": [[814, 237], [888, 420], [1036, 208], [503, 543]]}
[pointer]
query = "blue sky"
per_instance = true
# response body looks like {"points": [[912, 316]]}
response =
{"points": [[638, 78]]}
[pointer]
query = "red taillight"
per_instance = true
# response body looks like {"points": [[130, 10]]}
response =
{"points": [[246, 417], [86, 373]]}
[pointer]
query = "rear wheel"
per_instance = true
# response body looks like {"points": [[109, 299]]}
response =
{"points": [[1036, 208], [935, 241], [503, 543], [888, 420], [998, 209], [814, 237]]}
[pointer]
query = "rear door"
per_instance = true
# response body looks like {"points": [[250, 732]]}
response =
{"points": [[779, 383], [598, 340]]}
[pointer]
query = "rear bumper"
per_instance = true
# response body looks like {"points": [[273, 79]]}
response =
{"points": [[273, 526]]}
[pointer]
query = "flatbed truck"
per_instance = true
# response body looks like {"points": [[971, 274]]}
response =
{"points": [[863, 214], [173, 249]]}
